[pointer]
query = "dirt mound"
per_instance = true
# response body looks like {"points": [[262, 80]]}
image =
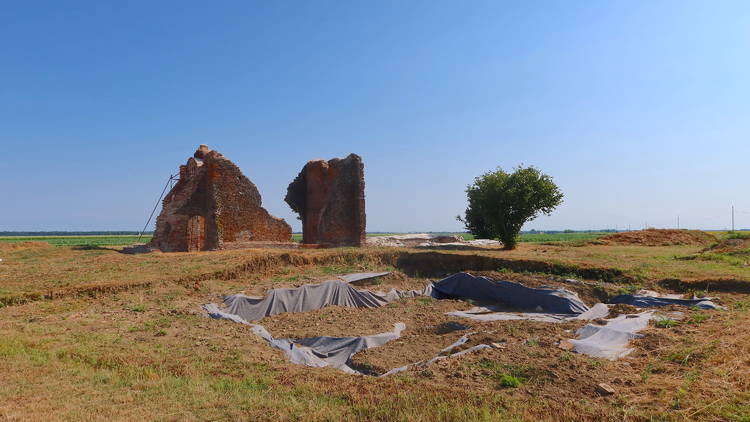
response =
{"points": [[660, 237], [731, 246]]}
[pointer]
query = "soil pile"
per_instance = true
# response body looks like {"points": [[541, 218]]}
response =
{"points": [[660, 237], [731, 246]]}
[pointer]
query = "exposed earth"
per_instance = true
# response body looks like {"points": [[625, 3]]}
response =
{"points": [[660, 237], [95, 334]]}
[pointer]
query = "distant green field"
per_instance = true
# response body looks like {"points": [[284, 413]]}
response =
{"points": [[122, 240], [103, 240]]}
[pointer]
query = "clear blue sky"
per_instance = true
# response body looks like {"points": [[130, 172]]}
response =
{"points": [[640, 110]]}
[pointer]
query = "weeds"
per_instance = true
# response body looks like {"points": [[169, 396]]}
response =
{"points": [[665, 323], [330, 270], [628, 289], [646, 373], [697, 318], [509, 381], [691, 355], [512, 375], [741, 305], [684, 388], [152, 325]]}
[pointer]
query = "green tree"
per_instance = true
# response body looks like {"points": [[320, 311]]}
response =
{"points": [[500, 203]]}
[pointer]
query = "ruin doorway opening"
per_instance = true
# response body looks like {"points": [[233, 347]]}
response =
{"points": [[196, 233]]}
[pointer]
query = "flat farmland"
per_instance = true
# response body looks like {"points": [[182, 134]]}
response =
{"points": [[122, 337]]}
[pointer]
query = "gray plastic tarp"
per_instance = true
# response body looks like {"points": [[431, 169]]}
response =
{"points": [[309, 298], [504, 300], [610, 341], [489, 313], [644, 301], [315, 351], [484, 289], [461, 285]]}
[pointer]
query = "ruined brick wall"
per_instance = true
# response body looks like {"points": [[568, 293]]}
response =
{"points": [[213, 204], [329, 196]]}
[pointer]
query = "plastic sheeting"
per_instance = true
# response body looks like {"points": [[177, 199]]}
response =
{"points": [[315, 351], [651, 299], [610, 341], [515, 295], [555, 303], [309, 298], [505, 301], [488, 313], [353, 278]]}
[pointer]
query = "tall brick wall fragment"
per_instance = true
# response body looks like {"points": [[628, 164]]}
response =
{"points": [[329, 196], [212, 206]]}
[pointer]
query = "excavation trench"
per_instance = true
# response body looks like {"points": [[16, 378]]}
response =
{"points": [[412, 263], [415, 264], [496, 303], [715, 285]]}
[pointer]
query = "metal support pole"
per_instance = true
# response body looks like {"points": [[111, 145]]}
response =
{"points": [[171, 178]]}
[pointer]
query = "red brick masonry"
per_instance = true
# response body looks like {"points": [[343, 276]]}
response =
{"points": [[212, 206], [329, 196]]}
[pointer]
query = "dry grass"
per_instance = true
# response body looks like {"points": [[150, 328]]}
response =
{"points": [[145, 350]]}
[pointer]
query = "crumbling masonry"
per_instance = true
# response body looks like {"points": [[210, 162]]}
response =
{"points": [[214, 206], [329, 197]]}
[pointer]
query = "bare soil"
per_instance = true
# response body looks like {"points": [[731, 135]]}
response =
{"points": [[731, 246], [660, 237]]}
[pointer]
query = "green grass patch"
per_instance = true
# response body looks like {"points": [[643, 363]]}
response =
{"points": [[697, 318], [511, 375], [73, 241], [509, 381], [665, 323]]}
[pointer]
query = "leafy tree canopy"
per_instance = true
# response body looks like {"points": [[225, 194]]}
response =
{"points": [[500, 203]]}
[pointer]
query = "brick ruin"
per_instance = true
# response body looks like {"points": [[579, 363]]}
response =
{"points": [[329, 197], [214, 206]]}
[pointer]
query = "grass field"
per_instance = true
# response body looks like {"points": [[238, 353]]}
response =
{"points": [[103, 240], [123, 240], [94, 334]]}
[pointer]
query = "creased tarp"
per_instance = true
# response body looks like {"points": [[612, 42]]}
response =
{"points": [[548, 304], [309, 298], [610, 341], [488, 313], [645, 301], [353, 278], [484, 289], [462, 285], [315, 351]]}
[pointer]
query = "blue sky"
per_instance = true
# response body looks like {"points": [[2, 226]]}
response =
{"points": [[638, 109]]}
